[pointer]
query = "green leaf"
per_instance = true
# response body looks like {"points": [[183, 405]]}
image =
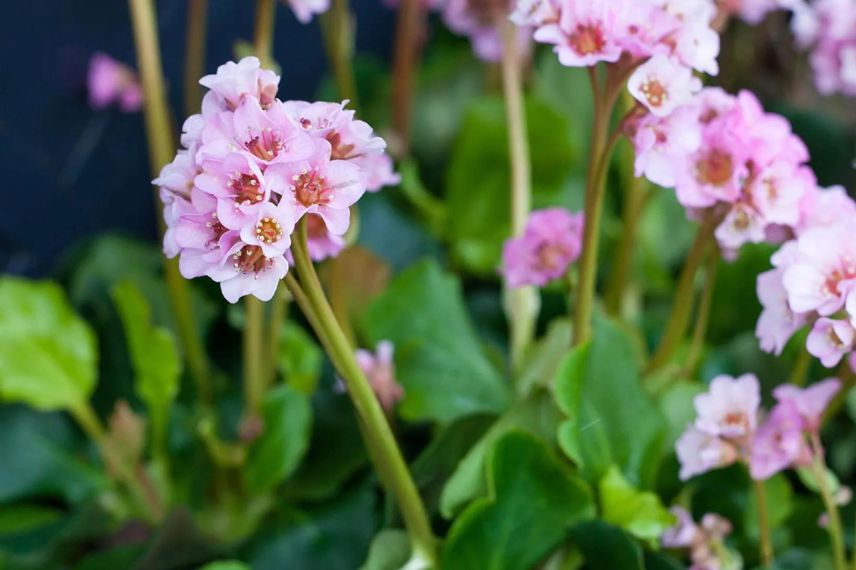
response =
{"points": [[638, 512], [390, 550], [533, 501], [299, 359], [47, 353], [478, 178], [438, 357], [605, 546], [154, 356], [544, 358], [612, 421], [535, 414], [277, 453], [226, 565]]}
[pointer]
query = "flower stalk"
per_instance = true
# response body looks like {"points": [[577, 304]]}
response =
{"points": [[161, 151], [254, 349], [337, 28], [406, 54], [263, 33], [766, 543], [380, 440], [194, 62], [679, 318], [521, 303], [834, 526]]}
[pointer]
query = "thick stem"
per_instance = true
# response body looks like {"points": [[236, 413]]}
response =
{"points": [[703, 314], [766, 543], [337, 27], [254, 349], [384, 450], [521, 303], [194, 59], [263, 32], [834, 528], [278, 314], [405, 56], [679, 318], [800, 368], [601, 146], [161, 152]]}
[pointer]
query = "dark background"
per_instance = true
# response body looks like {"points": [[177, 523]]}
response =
{"points": [[70, 172]]}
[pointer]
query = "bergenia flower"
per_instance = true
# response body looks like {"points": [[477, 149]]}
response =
{"points": [[828, 29], [704, 540], [830, 340], [112, 82], [379, 369], [551, 241], [251, 169], [809, 402], [699, 452], [779, 443], [730, 407], [662, 85], [305, 10]]}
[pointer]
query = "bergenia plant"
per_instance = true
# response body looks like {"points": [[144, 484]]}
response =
{"points": [[565, 288]]}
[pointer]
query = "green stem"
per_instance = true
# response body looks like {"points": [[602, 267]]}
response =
{"points": [[383, 448], [834, 528], [254, 348], [682, 308], [278, 314], [194, 59], [766, 544], [337, 28], [703, 314], [405, 57], [604, 101], [161, 151], [263, 33], [799, 371], [521, 303]]}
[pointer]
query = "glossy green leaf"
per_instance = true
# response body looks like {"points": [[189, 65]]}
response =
{"points": [[299, 359], [638, 512], [608, 547], [612, 420], [277, 453], [536, 414], [389, 550], [533, 500], [438, 357], [48, 354], [154, 357]]}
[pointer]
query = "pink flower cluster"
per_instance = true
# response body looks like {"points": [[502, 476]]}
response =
{"points": [[705, 540], [551, 241], [379, 369], [252, 166], [828, 29], [728, 427], [724, 153], [109, 82], [814, 281], [668, 38]]}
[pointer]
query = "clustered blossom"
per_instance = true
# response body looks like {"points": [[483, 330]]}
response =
{"points": [[730, 428], [551, 241], [665, 39], [828, 29], [379, 369], [726, 157], [252, 166], [813, 281], [705, 541], [109, 82]]}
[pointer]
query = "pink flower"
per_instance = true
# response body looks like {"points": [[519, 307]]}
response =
{"points": [[247, 271], [379, 369], [662, 143], [700, 452], [809, 402], [327, 188], [235, 82], [824, 271], [730, 407], [535, 12], [304, 10], [321, 243], [551, 242], [587, 33], [685, 531], [112, 82], [829, 340], [777, 322], [828, 28], [779, 443], [662, 85], [824, 207]]}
